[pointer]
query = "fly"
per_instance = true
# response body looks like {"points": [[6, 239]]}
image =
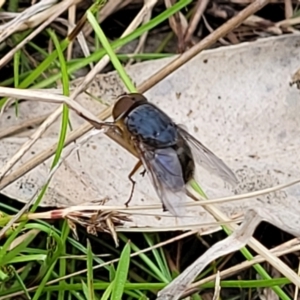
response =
{"points": [[167, 152]]}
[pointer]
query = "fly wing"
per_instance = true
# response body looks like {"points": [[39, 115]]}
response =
{"points": [[207, 159], [165, 172]]}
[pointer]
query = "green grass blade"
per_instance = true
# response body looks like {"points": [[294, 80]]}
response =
{"points": [[107, 292], [159, 257], [115, 61], [66, 92], [121, 274], [22, 284], [151, 266], [85, 290], [90, 282]]}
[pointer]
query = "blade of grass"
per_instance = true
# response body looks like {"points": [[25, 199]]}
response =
{"points": [[64, 124], [85, 290], [261, 283], [62, 261], [159, 257], [90, 283], [106, 45], [71, 240], [16, 250], [121, 274], [21, 283], [46, 271], [107, 292], [66, 92], [146, 259]]}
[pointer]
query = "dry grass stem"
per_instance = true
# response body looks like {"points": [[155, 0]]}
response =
{"points": [[29, 18], [241, 236], [286, 248], [132, 26], [217, 287], [179, 24], [146, 13], [296, 287], [60, 8], [72, 20], [111, 219], [210, 29], [199, 10]]}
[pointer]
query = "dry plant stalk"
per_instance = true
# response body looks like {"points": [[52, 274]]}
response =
{"points": [[179, 24], [110, 7], [148, 6], [146, 16], [199, 10], [285, 248], [59, 9], [217, 287], [39, 11], [81, 87], [93, 221], [50, 175], [238, 239], [40, 95]]}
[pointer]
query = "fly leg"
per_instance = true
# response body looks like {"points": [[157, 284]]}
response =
{"points": [[143, 172], [134, 170]]}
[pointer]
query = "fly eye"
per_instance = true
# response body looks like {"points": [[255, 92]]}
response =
{"points": [[122, 106], [125, 103]]}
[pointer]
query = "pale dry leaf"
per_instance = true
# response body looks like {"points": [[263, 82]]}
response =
{"points": [[236, 100]]}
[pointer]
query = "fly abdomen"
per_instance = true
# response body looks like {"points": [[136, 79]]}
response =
{"points": [[186, 160]]}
